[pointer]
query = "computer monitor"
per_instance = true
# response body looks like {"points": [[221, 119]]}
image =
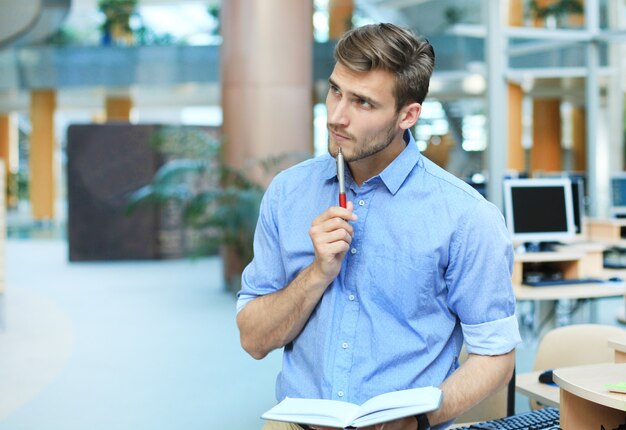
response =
{"points": [[618, 195], [539, 210], [578, 201], [579, 194]]}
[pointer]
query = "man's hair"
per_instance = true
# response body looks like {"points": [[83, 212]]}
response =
{"points": [[394, 49]]}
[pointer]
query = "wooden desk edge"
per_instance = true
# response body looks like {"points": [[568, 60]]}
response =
{"points": [[528, 385], [578, 291], [576, 380]]}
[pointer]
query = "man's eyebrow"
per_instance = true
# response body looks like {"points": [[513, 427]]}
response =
{"points": [[357, 95]]}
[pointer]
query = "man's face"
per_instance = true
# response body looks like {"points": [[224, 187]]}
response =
{"points": [[362, 115]]}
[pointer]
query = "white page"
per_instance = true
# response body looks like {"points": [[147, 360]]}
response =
{"points": [[422, 397], [303, 410]]}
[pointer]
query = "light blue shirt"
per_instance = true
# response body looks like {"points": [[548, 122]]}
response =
{"points": [[429, 267]]}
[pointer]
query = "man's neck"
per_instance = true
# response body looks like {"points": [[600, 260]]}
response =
{"points": [[366, 168]]}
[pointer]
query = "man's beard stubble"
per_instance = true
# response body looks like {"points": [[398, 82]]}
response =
{"points": [[369, 146]]}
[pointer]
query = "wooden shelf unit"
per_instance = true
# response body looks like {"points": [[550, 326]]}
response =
{"points": [[609, 231], [573, 263]]}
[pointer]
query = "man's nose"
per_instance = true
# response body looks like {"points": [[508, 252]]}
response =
{"points": [[338, 114]]}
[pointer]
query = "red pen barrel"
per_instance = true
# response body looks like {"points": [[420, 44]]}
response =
{"points": [[342, 200]]}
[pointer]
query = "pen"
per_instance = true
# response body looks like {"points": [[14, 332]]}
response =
{"points": [[342, 186]]}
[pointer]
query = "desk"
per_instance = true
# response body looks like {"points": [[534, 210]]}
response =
{"points": [[573, 261], [619, 345], [562, 297], [585, 403], [528, 384], [577, 291]]}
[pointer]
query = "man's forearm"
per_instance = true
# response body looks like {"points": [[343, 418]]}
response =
{"points": [[478, 377], [270, 322]]}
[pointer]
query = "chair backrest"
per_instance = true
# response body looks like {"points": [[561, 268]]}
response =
{"points": [[498, 405], [576, 345]]}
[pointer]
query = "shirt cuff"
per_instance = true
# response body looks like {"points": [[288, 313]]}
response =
{"points": [[243, 300], [492, 338]]}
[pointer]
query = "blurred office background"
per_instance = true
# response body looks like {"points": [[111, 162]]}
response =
{"points": [[120, 318]]}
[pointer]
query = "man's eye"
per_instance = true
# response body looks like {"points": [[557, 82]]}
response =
{"points": [[364, 103], [334, 89]]}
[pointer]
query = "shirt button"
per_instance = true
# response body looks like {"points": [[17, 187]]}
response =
{"points": [[344, 345], [361, 202], [340, 393], [351, 297], [353, 251]]}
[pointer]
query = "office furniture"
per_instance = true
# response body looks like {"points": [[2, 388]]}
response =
{"points": [[611, 231], [618, 343], [528, 385], [585, 401], [563, 347], [574, 262]]}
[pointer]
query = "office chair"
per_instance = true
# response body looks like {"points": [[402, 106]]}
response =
{"points": [[575, 345]]}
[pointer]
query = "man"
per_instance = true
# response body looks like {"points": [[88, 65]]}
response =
{"points": [[379, 296]]}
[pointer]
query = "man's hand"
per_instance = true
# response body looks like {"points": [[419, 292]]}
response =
{"points": [[271, 321], [331, 234]]}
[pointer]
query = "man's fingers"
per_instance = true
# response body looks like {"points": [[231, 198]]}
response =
{"points": [[336, 212]]}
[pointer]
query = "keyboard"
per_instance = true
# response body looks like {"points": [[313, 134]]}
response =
{"points": [[540, 419], [559, 282]]}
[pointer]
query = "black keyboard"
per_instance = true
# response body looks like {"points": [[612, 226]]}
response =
{"points": [[558, 282], [540, 419]]}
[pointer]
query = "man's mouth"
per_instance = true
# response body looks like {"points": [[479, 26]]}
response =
{"points": [[338, 136]]}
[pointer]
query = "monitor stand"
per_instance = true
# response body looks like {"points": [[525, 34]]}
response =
{"points": [[541, 246]]}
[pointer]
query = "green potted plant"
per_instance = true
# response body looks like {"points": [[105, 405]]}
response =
{"points": [[555, 11], [116, 28], [219, 204]]}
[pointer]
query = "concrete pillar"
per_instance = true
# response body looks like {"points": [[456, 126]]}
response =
{"points": [[41, 155], [339, 17], [118, 108], [266, 76], [546, 150]]}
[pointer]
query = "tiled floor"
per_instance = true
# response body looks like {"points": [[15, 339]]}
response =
{"points": [[122, 345], [134, 345]]}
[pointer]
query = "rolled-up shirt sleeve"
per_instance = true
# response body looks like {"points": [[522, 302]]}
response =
{"points": [[479, 282], [266, 273]]}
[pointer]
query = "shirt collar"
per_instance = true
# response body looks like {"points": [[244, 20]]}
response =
{"points": [[394, 174], [398, 170]]}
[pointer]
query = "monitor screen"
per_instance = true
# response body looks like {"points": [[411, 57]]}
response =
{"points": [[618, 194], [539, 210], [579, 193]]}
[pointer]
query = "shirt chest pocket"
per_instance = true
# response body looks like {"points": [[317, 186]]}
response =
{"points": [[404, 285]]}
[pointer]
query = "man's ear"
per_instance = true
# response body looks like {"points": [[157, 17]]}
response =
{"points": [[409, 115]]}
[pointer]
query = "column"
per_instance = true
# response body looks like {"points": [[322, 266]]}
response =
{"points": [[339, 17], [118, 108], [266, 76], [9, 153], [546, 150], [3, 229], [41, 156], [516, 154]]}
